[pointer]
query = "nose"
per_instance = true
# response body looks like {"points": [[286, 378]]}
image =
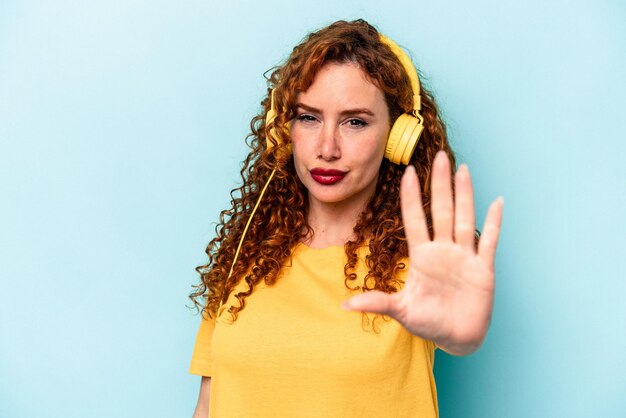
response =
{"points": [[329, 149]]}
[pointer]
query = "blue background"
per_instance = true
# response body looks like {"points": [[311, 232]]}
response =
{"points": [[122, 127]]}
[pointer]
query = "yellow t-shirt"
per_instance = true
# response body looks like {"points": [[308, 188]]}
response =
{"points": [[293, 352]]}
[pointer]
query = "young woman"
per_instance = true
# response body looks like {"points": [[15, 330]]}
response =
{"points": [[353, 268]]}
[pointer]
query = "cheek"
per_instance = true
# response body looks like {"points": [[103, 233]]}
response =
{"points": [[374, 151], [296, 154], [373, 157]]}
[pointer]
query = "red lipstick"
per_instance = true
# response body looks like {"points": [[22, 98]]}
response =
{"points": [[327, 176]]}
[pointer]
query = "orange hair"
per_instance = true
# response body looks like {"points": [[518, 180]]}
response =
{"points": [[280, 223]]}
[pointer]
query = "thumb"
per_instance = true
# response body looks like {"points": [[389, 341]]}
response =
{"points": [[373, 301]]}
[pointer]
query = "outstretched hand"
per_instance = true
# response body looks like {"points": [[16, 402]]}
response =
{"points": [[448, 294]]}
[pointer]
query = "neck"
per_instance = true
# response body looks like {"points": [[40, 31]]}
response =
{"points": [[332, 223]]}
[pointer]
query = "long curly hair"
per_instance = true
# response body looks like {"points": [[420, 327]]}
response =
{"points": [[280, 222]]}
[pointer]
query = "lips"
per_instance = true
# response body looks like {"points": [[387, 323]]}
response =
{"points": [[327, 176]]}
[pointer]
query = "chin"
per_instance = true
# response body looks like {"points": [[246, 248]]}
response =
{"points": [[338, 194], [326, 196], [332, 196]]}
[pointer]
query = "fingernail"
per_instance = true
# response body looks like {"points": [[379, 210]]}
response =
{"points": [[440, 157], [463, 168]]}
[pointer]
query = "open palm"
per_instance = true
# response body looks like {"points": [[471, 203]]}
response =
{"points": [[448, 293]]}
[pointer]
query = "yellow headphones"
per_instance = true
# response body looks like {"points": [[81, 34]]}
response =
{"points": [[401, 142], [406, 130]]}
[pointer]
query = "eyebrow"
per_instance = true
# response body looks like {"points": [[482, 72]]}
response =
{"points": [[347, 112]]}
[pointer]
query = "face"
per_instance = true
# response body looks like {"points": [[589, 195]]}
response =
{"points": [[338, 136]]}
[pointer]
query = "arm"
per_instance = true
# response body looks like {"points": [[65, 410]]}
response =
{"points": [[201, 364], [202, 408]]}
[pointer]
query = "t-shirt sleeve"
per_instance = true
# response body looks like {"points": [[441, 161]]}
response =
{"points": [[201, 360]]}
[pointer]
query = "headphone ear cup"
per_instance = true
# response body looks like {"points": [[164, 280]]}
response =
{"points": [[403, 138]]}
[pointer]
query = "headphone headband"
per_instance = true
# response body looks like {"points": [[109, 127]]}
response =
{"points": [[406, 63], [408, 67]]}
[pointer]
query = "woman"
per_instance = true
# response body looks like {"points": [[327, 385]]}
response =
{"points": [[340, 226]]}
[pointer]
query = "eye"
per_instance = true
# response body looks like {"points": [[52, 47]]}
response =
{"points": [[356, 122], [305, 117]]}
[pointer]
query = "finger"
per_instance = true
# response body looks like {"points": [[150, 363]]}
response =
{"points": [[491, 232], [375, 302], [464, 221], [412, 209], [441, 201]]}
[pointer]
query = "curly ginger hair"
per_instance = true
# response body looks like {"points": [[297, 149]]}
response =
{"points": [[280, 222]]}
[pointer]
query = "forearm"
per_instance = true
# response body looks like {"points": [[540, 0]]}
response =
{"points": [[459, 349], [202, 407], [465, 340]]}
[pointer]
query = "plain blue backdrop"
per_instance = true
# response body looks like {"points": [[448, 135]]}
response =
{"points": [[121, 134]]}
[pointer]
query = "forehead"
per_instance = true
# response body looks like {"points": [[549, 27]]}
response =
{"points": [[342, 85]]}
